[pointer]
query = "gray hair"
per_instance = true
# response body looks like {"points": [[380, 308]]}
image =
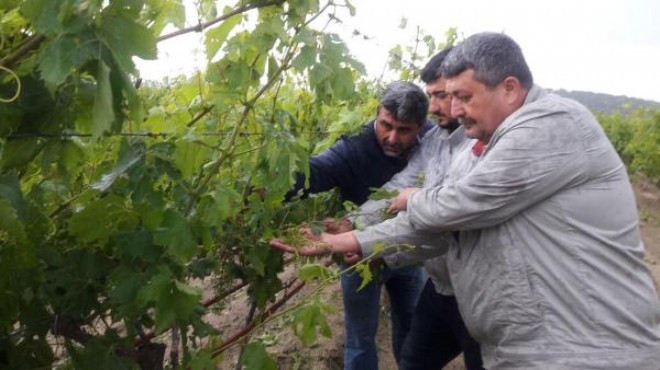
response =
{"points": [[492, 56], [405, 101]]}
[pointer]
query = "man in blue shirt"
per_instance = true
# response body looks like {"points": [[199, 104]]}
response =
{"points": [[353, 165]]}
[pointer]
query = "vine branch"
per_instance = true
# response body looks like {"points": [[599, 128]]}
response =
{"points": [[200, 27], [30, 43]]}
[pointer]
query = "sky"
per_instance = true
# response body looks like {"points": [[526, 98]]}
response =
{"points": [[606, 46]]}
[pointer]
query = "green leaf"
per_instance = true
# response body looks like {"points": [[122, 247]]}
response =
{"points": [[57, 61], [17, 153], [257, 258], [169, 12], [306, 58], [96, 355], [187, 299], [10, 189], [103, 114], [10, 223], [342, 83], [43, 14], [37, 224], [311, 271], [318, 74], [124, 286], [126, 39], [204, 360], [256, 358], [189, 156], [215, 37], [365, 273], [151, 216], [382, 193], [100, 219], [138, 245], [71, 156], [173, 300], [134, 6], [176, 236], [224, 203], [309, 319], [208, 10], [30, 353], [303, 7]]}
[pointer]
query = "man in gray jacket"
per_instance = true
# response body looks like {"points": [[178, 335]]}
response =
{"points": [[548, 271]]}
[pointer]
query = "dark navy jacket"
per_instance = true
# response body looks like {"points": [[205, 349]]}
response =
{"points": [[353, 164]]}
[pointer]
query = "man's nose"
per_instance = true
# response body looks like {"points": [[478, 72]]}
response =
{"points": [[457, 108], [434, 107], [393, 136]]}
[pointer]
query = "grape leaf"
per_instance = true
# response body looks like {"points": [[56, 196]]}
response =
{"points": [[173, 300], [382, 193], [256, 358], [176, 236], [365, 273], [215, 37], [57, 61], [310, 318], [17, 153], [189, 156], [10, 223], [103, 114], [116, 29], [100, 219], [311, 271], [43, 14]]}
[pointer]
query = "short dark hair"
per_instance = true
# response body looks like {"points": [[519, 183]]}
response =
{"points": [[492, 56], [431, 70], [405, 101]]}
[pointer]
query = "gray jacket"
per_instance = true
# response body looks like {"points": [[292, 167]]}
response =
{"points": [[549, 270], [427, 167]]}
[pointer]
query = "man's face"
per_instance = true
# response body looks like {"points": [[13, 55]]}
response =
{"points": [[395, 137], [440, 102], [480, 109]]}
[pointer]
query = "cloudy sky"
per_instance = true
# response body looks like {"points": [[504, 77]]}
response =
{"points": [[609, 46]]}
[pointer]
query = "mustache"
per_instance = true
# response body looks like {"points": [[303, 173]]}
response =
{"points": [[464, 120], [397, 146]]}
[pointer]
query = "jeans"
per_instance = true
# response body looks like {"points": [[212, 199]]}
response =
{"points": [[361, 312], [438, 334]]}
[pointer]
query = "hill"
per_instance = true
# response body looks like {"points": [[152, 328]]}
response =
{"points": [[606, 103]]}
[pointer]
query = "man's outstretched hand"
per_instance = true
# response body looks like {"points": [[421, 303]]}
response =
{"points": [[400, 203], [320, 244], [315, 247]]}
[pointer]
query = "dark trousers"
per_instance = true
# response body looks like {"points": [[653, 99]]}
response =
{"points": [[437, 335]]}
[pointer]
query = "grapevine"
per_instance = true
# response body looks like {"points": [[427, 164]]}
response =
{"points": [[116, 193]]}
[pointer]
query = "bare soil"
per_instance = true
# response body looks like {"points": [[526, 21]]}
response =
{"points": [[327, 353]]}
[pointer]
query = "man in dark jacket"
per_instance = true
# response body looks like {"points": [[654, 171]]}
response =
{"points": [[353, 165]]}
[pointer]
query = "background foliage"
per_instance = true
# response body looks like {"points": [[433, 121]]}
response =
{"points": [[636, 137]]}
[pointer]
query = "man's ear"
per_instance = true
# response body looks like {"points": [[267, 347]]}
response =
{"points": [[513, 90]]}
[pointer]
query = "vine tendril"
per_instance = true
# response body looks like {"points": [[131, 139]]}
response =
{"points": [[18, 85]]}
